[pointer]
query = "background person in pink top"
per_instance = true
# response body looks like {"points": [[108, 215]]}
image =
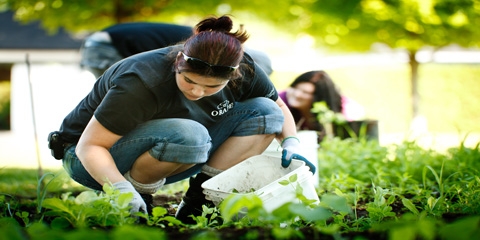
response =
{"points": [[317, 86]]}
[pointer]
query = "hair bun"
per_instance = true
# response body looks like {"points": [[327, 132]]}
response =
{"points": [[221, 24]]}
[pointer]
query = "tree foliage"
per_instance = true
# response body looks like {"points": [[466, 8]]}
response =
{"points": [[346, 25], [81, 15], [340, 24], [406, 24]]}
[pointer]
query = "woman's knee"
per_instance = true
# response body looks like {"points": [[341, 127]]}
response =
{"points": [[183, 131], [269, 114], [265, 106], [189, 142]]}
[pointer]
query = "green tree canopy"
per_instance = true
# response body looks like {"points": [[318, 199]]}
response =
{"points": [[345, 25], [340, 24]]}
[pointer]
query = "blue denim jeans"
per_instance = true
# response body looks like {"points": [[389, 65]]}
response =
{"points": [[183, 140], [98, 56]]}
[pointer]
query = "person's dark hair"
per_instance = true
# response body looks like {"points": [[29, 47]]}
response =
{"points": [[214, 44], [325, 89]]}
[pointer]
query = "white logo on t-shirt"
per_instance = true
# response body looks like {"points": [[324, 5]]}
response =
{"points": [[270, 93], [222, 108]]}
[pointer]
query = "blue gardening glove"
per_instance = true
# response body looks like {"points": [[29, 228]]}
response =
{"points": [[291, 146], [137, 203]]}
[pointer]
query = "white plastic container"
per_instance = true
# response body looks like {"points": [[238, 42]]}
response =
{"points": [[308, 149], [262, 174]]}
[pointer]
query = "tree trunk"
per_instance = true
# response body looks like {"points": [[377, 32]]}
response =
{"points": [[414, 81], [120, 12]]}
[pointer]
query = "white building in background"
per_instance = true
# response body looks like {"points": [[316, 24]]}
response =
{"points": [[46, 68], [56, 89]]}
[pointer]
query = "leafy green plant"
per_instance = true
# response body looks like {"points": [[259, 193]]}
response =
{"points": [[410, 206], [158, 218], [42, 190], [108, 208], [434, 204], [24, 216], [10, 229], [409, 227], [209, 218], [327, 117], [6, 209], [292, 181], [380, 208], [465, 228], [236, 206]]}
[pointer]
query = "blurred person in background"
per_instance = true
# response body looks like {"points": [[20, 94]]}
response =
{"points": [[103, 48], [317, 86]]}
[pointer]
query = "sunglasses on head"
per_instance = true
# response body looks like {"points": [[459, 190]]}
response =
{"points": [[200, 64]]}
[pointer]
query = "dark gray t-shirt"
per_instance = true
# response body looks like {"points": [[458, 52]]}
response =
{"points": [[136, 37], [143, 87]]}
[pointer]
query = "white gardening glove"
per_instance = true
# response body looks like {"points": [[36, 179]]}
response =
{"points": [[291, 147], [137, 203]]}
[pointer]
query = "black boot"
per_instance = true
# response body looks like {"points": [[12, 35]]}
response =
{"points": [[148, 198], [193, 200]]}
